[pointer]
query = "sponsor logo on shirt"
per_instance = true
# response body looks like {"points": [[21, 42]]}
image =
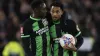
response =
{"points": [[44, 21], [43, 30]]}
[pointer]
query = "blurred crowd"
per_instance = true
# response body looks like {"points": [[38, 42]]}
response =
{"points": [[86, 13]]}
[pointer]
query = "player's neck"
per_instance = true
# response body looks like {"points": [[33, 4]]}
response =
{"points": [[56, 22], [35, 16]]}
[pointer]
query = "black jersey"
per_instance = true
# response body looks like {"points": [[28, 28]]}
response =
{"points": [[35, 37], [61, 27]]}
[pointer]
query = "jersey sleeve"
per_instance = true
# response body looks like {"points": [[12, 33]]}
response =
{"points": [[25, 36], [78, 36], [75, 31], [25, 32], [73, 28]]}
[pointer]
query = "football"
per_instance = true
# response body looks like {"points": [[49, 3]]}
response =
{"points": [[67, 39]]}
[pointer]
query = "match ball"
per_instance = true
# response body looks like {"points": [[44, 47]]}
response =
{"points": [[67, 39]]}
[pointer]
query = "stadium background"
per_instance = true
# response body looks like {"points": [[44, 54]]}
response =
{"points": [[86, 13]]}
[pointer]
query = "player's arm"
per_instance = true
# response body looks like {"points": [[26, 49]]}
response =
{"points": [[25, 36], [74, 30], [79, 40], [77, 34]]}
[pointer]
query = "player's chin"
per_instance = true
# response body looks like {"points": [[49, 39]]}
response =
{"points": [[55, 19]]}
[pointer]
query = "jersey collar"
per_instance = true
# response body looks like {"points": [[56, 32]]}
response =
{"points": [[56, 22], [37, 19]]}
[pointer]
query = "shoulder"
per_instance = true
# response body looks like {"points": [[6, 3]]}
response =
{"points": [[70, 22], [27, 23]]}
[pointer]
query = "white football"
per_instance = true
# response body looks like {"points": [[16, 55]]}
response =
{"points": [[67, 38]]}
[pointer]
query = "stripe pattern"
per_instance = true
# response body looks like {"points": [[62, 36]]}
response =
{"points": [[56, 32], [40, 43]]}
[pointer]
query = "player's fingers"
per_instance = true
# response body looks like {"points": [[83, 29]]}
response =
{"points": [[73, 47], [66, 47]]}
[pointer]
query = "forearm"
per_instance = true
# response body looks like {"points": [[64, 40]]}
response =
{"points": [[79, 42]]}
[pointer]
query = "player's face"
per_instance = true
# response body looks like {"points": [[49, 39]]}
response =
{"points": [[56, 13], [42, 10]]}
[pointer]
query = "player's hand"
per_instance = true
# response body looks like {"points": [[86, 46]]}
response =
{"points": [[72, 47]]}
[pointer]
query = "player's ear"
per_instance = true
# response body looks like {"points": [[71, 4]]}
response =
{"points": [[31, 10], [50, 11], [36, 10], [62, 12]]}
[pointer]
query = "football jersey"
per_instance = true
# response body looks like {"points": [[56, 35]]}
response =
{"points": [[35, 37]]}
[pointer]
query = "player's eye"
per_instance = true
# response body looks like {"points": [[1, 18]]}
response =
{"points": [[57, 11], [52, 11]]}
